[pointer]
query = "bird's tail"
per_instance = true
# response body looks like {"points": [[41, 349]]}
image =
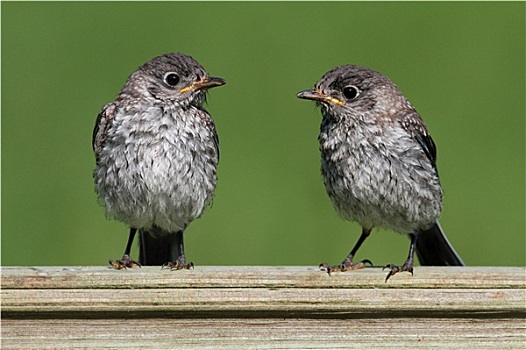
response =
{"points": [[156, 247], [433, 248]]}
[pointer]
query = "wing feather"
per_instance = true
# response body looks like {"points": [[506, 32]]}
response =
{"points": [[101, 125]]}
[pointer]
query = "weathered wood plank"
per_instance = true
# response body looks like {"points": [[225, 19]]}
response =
{"points": [[263, 308], [260, 277], [273, 333], [260, 302], [257, 291]]}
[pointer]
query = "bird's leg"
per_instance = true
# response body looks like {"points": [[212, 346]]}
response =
{"points": [[408, 265], [347, 264], [180, 263], [126, 261]]}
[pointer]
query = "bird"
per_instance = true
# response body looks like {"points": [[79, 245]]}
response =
{"points": [[378, 163], [156, 153]]}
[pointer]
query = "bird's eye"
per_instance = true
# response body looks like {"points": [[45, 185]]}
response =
{"points": [[351, 92], [171, 79]]}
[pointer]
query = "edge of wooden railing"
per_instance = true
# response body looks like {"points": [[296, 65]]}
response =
{"points": [[261, 291], [97, 277]]}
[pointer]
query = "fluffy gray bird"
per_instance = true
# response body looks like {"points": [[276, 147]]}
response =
{"points": [[378, 164], [157, 152]]}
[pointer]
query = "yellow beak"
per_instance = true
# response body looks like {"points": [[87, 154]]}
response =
{"points": [[317, 95], [206, 83]]}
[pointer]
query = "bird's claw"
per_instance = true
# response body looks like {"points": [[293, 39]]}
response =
{"points": [[179, 264], [123, 263], [346, 265], [394, 269]]}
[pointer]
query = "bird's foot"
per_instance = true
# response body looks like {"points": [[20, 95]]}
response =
{"points": [[124, 262], [179, 264], [346, 265], [394, 269]]}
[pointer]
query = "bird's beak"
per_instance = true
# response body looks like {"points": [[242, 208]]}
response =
{"points": [[318, 95], [206, 83]]}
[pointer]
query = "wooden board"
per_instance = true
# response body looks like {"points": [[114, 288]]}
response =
{"points": [[263, 307]]}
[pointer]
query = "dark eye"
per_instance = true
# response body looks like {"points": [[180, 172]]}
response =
{"points": [[171, 79], [351, 92]]}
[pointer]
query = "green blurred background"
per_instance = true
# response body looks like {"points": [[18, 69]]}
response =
{"points": [[462, 65]]}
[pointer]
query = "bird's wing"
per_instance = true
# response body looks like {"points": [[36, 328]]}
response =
{"points": [[101, 125], [212, 127], [216, 138], [413, 124]]}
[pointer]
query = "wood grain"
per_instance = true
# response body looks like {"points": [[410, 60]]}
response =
{"points": [[263, 307]]}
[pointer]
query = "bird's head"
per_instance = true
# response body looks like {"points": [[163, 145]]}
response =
{"points": [[357, 92], [172, 77]]}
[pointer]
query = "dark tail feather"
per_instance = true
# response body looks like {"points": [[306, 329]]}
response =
{"points": [[156, 247], [433, 248]]}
